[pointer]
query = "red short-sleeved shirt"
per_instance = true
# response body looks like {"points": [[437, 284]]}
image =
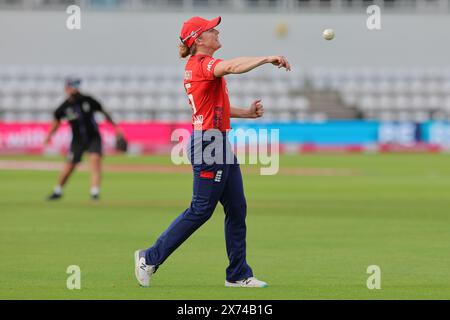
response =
{"points": [[207, 94]]}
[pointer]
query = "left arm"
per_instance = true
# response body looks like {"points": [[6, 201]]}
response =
{"points": [[99, 108], [109, 118], [256, 110], [111, 121]]}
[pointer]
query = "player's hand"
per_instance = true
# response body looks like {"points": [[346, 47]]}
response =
{"points": [[119, 132], [46, 141], [256, 109], [280, 62]]}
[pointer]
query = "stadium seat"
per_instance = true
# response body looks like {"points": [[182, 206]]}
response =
{"points": [[135, 92]]}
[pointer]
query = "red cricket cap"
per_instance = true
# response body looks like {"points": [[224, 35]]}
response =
{"points": [[194, 27]]}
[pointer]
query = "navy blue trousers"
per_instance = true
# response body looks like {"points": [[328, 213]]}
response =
{"points": [[213, 183]]}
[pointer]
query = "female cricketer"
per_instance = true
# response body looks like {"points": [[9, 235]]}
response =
{"points": [[205, 86]]}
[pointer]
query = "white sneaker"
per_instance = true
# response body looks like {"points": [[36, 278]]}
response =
{"points": [[251, 282], [142, 271]]}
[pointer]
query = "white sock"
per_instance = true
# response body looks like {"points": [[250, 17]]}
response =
{"points": [[95, 191], [57, 190]]}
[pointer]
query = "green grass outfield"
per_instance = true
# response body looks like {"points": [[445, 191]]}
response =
{"points": [[309, 236]]}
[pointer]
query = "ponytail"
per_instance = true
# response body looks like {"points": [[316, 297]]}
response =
{"points": [[185, 51]]}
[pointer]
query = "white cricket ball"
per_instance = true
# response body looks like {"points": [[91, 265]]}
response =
{"points": [[328, 34]]}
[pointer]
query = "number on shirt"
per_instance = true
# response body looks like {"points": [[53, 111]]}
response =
{"points": [[191, 99]]}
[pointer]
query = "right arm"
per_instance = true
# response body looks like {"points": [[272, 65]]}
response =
{"points": [[98, 107], [54, 127], [245, 64]]}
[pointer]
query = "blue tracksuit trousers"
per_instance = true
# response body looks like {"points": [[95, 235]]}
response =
{"points": [[212, 183]]}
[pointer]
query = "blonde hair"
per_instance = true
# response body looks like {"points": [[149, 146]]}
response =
{"points": [[185, 51]]}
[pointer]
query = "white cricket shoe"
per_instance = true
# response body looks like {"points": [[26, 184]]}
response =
{"points": [[142, 271], [251, 282]]}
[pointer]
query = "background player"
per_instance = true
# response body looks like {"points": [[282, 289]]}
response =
{"points": [[206, 88], [79, 110]]}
